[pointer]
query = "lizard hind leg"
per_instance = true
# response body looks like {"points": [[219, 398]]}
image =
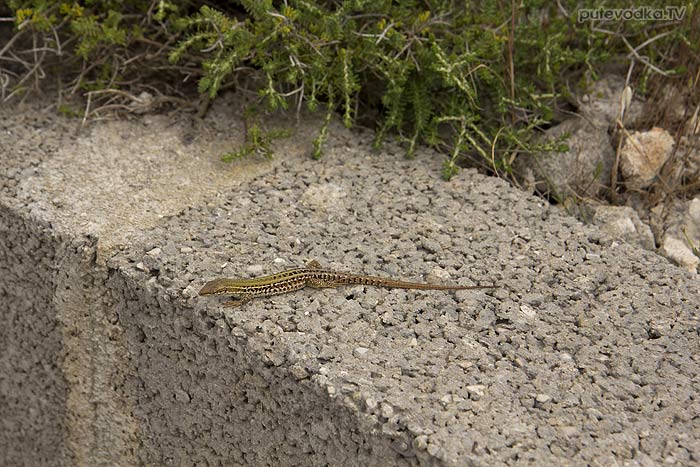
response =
{"points": [[235, 303], [313, 264], [321, 283]]}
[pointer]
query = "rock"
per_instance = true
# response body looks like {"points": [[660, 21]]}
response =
{"points": [[360, 352], [687, 157], [584, 170], [154, 252], [144, 102], [622, 222], [642, 156], [476, 391], [680, 253], [694, 215], [678, 226], [602, 102]]}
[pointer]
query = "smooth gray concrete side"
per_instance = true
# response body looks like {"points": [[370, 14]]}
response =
{"points": [[586, 354]]}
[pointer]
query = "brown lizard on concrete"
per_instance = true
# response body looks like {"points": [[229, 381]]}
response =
{"points": [[243, 290]]}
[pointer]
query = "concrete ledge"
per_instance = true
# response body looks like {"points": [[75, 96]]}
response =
{"points": [[586, 355]]}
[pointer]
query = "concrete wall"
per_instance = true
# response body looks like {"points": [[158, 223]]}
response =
{"points": [[585, 354]]}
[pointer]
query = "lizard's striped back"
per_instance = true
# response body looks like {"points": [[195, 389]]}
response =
{"points": [[242, 290]]}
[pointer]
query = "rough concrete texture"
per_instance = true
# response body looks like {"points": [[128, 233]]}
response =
{"points": [[587, 353]]}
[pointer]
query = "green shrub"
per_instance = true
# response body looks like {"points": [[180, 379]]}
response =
{"points": [[470, 80]]}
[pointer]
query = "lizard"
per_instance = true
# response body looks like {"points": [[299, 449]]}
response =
{"points": [[313, 275]]}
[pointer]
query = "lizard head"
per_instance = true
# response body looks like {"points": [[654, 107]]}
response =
{"points": [[219, 287]]}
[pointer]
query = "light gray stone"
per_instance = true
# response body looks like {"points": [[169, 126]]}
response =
{"points": [[622, 222], [585, 169], [642, 155], [582, 171]]}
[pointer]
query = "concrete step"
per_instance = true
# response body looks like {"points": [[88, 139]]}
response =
{"points": [[587, 353]]}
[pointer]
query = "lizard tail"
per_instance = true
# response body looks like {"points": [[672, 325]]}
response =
{"points": [[392, 284]]}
